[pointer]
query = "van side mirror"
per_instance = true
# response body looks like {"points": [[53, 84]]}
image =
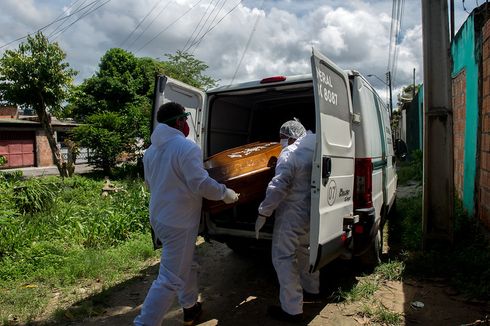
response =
{"points": [[401, 150]]}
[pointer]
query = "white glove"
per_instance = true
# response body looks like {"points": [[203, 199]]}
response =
{"points": [[230, 196], [259, 223]]}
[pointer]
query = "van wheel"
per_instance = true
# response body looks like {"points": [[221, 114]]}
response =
{"points": [[249, 248], [372, 257], [392, 213]]}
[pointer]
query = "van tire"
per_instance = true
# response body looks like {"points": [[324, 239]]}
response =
{"points": [[238, 248], [372, 257], [392, 213]]}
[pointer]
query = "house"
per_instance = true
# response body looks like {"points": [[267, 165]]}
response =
{"points": [[470, 51], [23, 141]]}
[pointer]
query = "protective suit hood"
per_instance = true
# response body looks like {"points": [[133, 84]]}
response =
{"points": [[163, 133]]}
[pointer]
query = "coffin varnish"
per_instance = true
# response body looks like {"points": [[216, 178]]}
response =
{"points": [[246, 169]]}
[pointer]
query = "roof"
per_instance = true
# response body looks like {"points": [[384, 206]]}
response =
{"points": [[33, 122], [8, 111]]}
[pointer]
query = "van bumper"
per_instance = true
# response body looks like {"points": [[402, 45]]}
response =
{"points": [[364, 230]]}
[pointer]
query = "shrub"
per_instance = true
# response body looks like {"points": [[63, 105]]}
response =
{"points": [[34, 195], [411, 170]]}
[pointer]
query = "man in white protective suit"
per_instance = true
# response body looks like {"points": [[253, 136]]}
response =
{"points": [[178, 182], [288, 193]]}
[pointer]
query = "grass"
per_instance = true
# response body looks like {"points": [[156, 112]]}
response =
{"points": [[56, 234], [411, 170], [391, 270], [465, 265], [363, 290], [380, 314]]}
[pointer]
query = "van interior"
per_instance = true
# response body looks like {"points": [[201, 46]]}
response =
{"points": [[241, 117]]}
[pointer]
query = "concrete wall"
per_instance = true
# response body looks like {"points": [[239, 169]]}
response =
{"points": [[483, 199]]}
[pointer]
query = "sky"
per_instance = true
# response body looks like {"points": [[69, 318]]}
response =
{"points": [[239, 40]]}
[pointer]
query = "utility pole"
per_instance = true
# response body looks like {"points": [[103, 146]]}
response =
{"points": [[413, 90], [438, 187], [388, 84], [388, 79]]}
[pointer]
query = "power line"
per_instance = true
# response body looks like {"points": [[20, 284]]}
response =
{"points": [[84, 15], [148, 26], [200, 21], [64, 21], [211, 23], [168, 26], [398, 36], [209, 30], [140, 22], [248, 43], [46, 26], [390, 48]]}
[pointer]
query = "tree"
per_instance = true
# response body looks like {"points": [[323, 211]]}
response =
{"points": [[123, 87], [116, 103], [36, 76], [184, 67], [104, 133]]}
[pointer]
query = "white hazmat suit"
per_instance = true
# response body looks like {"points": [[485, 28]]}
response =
{"points": [[177, 180], [288, 193]]}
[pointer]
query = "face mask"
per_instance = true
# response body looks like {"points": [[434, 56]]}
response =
{"points": [[284, 143], [185, 129]]}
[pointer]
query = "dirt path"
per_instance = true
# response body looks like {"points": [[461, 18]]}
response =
{"points": [[236, 290]]}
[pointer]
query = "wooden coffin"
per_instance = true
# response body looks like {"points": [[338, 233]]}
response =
{"points": [[246, 169]]}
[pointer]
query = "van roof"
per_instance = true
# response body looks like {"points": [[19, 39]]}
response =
{"points": [[257, 83]]}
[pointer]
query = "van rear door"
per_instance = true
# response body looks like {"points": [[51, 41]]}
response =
{"points": [[193, 99], [333, 162]]}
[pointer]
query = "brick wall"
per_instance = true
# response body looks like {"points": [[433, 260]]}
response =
{"points": [[483, 173], [459, 121], [43, 151], [8, 112]]}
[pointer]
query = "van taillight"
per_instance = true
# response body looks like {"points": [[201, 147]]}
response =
{"points": [[363, 183], [273, 79]]}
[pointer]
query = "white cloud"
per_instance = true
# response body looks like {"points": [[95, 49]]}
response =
{"points": [[353, 33]]}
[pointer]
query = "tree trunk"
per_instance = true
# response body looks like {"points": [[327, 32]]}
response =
{"points": [[45, 120]]}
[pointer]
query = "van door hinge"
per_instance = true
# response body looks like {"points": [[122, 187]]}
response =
{"points": [[356, 118]]}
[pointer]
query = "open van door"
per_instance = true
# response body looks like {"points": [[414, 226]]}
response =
{"points": [[171, 90], [333, 162]]}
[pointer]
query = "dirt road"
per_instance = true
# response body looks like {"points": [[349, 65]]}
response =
{"points": [[236, 290]]}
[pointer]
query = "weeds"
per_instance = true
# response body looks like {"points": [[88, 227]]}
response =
{"points": [[363, 290], [465, 264], [378, 313], [411, 170], [57, 232], [391, 271]]}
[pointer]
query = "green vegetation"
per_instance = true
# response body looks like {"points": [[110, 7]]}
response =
{"points": [[381, 315], [56, 234], [36, 76], [390, 271], [115, 104], [3, 160], [465, 264], [363, 290], [412, 170]]}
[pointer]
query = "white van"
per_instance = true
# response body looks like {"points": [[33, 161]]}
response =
{"points": [[353, 184]]}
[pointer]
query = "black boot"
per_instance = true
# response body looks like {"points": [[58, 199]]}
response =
{"points": [[277, 313], [192, 314]]}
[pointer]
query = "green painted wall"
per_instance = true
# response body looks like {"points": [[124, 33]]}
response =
{"points": [[414, 122], [463, 49]]}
